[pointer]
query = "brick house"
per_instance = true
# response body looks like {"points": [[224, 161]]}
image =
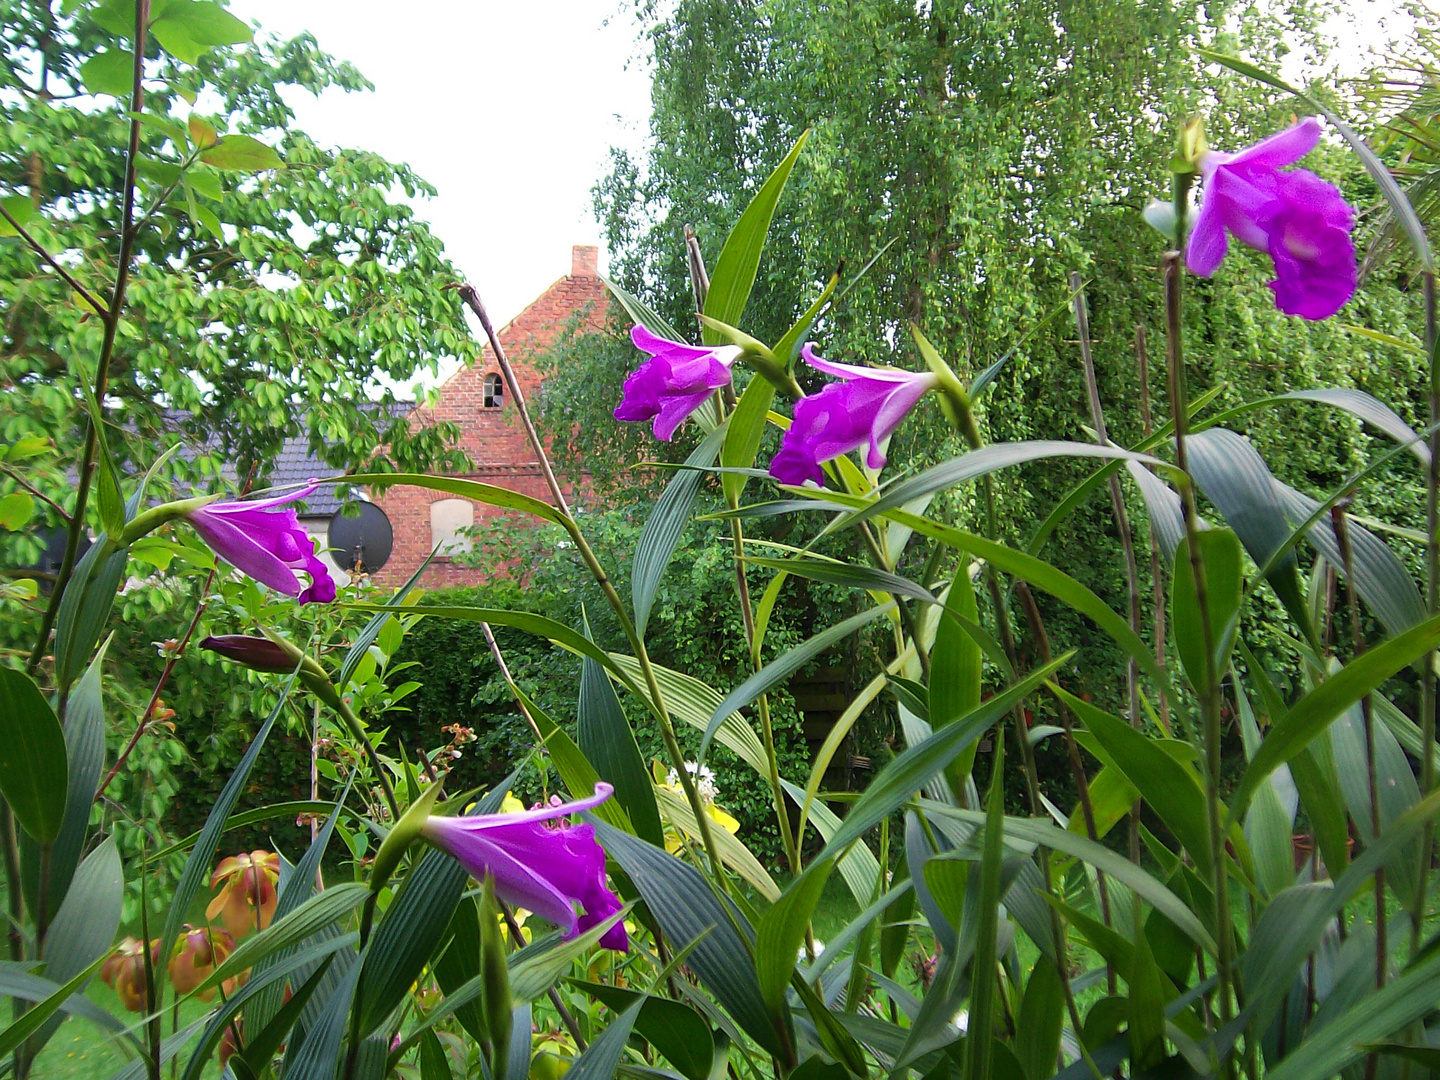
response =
{"points": [[474, 398]]}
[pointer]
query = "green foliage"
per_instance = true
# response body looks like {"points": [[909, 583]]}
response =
{"points": [[996, 147], [695, 628], [999, 143], [276, 279]]}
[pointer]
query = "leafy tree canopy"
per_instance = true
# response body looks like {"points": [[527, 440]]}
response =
{"points": [[276, 282]]}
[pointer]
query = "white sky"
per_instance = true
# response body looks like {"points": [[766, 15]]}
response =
{"points": [[508, 109]]}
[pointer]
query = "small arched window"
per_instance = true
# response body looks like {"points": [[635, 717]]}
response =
{"points": [[494, 391], [449, 520]]}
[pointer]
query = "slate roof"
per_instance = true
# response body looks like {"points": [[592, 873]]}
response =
{"points": [[295, 464]]}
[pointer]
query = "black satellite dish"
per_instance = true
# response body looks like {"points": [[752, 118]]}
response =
{"points": [[54, 539], [363, 541]]}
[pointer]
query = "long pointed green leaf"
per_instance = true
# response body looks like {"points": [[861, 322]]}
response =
{"points": [[488, 494], [1379, 1016], [33, 771], [1314, 712], [847, 574], [30, 1022], [781, 668], [686, 908], [693, 702], [604, 736], [1044, 834], [671, 1027], [313, 915], [988, 459], [84, 731], [898, 781], [1170, 789], [643, 313], [601, 1058], [733, 852], [538, 625], [782, 930], [745, 429], [202, 855], [858, 866], [982, 972], [1053, 581], [734, 272]]}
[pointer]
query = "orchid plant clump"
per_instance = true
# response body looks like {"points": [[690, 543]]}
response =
{"points": [[1149, 918]]}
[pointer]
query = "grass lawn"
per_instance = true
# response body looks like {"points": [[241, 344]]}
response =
{"points": [[81, 1051]]}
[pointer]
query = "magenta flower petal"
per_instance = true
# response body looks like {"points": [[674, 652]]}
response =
{"points": [[269, 546], [1299, 220], [863, 410], [1281, 149], [545, 869], [674, 382]]}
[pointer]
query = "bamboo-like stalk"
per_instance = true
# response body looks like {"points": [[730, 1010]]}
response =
{"points": [[1117, 493], [1142, 358], [1072, 751], [1122, 526], [607, 587], [1357, 646], [1432, 605], [1209, 690]]}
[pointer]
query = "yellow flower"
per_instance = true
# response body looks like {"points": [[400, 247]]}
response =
{"points": [[718, 815]]}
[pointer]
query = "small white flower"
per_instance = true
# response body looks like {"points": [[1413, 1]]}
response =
{"points": [[705, 784]]}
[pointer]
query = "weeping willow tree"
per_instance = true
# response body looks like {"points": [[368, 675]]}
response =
{"points": [[979, 153]]}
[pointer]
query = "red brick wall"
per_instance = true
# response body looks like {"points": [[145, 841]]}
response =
{"points": [[493, 438]]}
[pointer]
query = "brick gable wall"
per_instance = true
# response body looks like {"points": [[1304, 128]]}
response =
{"points": [[492, 437]]}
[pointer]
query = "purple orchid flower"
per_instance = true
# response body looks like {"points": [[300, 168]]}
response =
{"points": [[674, 382], [1301, 221], [867, 407], [267, 546], [544, 869]]}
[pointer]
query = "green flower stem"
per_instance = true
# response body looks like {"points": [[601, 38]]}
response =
{"points": [[587, 555], [316, 679], [955, 404], [1209, 690], [146, 522]]}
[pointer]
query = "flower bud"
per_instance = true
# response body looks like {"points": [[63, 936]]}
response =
{"points": [[1193, 147], [256, 653]]}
